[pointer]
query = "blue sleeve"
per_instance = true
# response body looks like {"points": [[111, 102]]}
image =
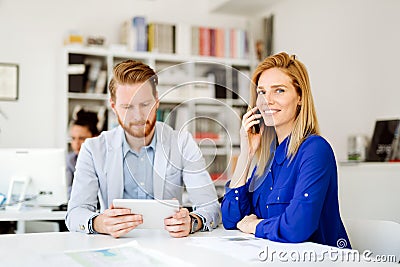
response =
{"points": [[236, 204], [301, 217]]}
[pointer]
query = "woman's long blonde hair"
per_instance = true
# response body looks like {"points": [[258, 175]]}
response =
{"points": [[305, 123]]}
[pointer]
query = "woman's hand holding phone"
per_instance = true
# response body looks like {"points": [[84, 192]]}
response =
{"points": [[250, 136]]}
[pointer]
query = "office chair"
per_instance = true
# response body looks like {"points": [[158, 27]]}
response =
{"points": [[380, 237]]}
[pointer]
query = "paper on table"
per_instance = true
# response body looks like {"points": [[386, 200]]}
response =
{"points": [[252, 249], [244, 248], [129, 254]]}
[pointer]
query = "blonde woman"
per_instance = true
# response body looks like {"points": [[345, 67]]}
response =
{"points": [[291, 195]]}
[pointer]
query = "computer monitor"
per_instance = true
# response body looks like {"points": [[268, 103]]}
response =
{"points": [[45, 170]]}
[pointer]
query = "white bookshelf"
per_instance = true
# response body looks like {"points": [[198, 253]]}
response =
{"points": [[194, 94]]}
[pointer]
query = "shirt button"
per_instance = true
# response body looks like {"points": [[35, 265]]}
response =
{"points": [[267, 207], [270, 188], [141, 159], [236, 198], [306, 194], [142, 183], [236, 191], [277, 198]]}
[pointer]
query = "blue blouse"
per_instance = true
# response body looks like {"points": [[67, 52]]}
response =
{"points": [[298, 202]]}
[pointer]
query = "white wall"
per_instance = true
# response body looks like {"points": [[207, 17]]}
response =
{"points": [[351, 49], [349, 46], [31, 34]]}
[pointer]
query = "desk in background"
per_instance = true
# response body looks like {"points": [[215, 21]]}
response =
{"points": [[30, 214], [370, 190], [201, 249]]}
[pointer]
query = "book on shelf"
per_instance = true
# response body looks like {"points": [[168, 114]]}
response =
{"points": [[161, 38], [94, 65], [220, 42], [216, 166], [182, 118], [183, 47], [220, 84], [204, 41], [208, 135], [213, 33], [134, 34], [195, 40], [383, 140], [101, 82], [244, 81], [268, 36], [140, 29], [167, 115], [138, 35], [227, 43]]}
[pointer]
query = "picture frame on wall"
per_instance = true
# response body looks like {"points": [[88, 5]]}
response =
{"points": [[9, 77]]}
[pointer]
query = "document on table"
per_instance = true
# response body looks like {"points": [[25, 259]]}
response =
{"points": [[244, 248], [130, 254], [252, 249]]}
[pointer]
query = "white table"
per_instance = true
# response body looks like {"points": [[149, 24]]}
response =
{"points": [[30, 214], [200, 249]]}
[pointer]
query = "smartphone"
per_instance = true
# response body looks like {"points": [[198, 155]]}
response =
{"points": [[256, 127]]}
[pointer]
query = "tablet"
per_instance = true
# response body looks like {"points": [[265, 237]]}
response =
{"points": [[153, 211]]}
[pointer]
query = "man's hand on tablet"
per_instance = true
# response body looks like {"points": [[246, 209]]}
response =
{"points": [[116, 222]]}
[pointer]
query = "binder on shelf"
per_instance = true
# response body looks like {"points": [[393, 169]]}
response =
{"points": [[382, 140], [77, 73], [77, 83], [395, 148]]}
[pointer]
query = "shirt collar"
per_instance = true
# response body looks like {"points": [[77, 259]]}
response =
{"points": [[126, 148]]}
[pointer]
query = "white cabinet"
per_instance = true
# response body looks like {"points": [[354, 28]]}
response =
{"points": [[370, 191], [196, 93]]}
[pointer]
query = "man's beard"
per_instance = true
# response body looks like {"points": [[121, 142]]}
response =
{"points": [[138, 132]]}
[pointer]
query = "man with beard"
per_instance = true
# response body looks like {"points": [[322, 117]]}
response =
{"points": [[139, 159]]}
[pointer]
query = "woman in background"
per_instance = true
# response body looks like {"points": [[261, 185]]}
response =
{"points": [[291, 195], [85, 126]]}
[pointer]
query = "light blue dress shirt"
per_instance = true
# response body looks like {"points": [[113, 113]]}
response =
{"points": [[138, 170]]}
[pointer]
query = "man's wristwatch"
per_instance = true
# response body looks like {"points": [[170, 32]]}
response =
{"points": [[194, 223]]}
